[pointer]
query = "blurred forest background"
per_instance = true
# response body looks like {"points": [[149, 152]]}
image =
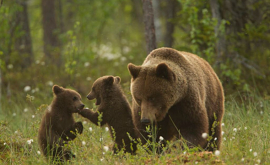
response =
{"points": [[73, 42]]}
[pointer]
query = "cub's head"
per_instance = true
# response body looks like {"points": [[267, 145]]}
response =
{"points": [[102, 87], [67, 99], [154, 89]]}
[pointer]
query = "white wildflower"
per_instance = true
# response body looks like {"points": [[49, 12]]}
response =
{"points": [[259, 161], [126, 49], [217, 152], [123, 59], [84, 122], [261, 104], [255, 154], [30, 141], [38, 152], [83, 143], [235, 129], [25, 110], [27, 88], [222, 133], [5, 143], [37, 61], [243, 159], [101, 159], [245, 128], [215, 138], [33, 116], [90, 129], [204, 135], [14, 114], [86, 64], [261, 112], [10, 66], [106, 128], [250, 150], [161, 138], [16, 132], [50, 83], [88, 78], [106, 148], [36, 89], [100, 139], [222, 124]]}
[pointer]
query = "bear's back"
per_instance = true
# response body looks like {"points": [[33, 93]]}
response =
{"points": [[190, 64]]}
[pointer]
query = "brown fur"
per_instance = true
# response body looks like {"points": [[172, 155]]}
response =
{"points": [[115, 109], [181, 93], [58, 126]]}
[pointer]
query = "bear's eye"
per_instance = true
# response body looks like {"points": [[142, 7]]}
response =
{"points": [[75, 98]]}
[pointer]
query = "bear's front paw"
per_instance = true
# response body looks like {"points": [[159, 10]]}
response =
{"points": [[83, 111], [79, 127]]}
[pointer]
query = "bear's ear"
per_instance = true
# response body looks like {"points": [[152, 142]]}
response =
{"points": [[164, 71], [109, 80], [117, 79], [57, 89], [134, 70]]}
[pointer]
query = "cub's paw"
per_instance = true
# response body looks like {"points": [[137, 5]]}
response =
{"points": [[79, 127], [83, 112]]}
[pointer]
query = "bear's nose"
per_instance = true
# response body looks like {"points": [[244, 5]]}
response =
{"points": [[81, 106], [145, 121]]}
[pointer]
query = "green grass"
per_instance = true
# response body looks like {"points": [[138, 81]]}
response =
{"points": [[246, 137]]}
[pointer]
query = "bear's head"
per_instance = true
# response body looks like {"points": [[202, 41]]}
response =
{"points": [[101, 87], [67, 99], [155, 89]]}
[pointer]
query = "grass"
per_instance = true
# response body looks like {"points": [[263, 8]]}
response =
{"points": [[245, 139]]}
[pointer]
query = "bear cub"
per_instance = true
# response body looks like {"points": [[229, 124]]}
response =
{"points": [[115, 110], [58, 125]]}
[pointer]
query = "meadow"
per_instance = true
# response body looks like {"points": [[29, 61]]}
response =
{"points": [[245, 125], [71, 43]]}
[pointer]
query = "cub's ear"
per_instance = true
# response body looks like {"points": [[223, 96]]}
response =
{"points": [[134, 70], [163, 71], [117, 79], [109, 80], [57, 89]]}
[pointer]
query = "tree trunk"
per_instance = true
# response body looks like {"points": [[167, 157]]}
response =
{"points": [[148, 18], [157, 20], [50, 37], [220, 44], [170, 15], [23, 44]]}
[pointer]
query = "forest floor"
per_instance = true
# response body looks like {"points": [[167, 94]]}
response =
{"points": [[246, 132]]}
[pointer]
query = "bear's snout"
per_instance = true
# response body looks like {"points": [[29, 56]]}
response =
{"points": [[88, 97], [91, 96], [145, 121], [81, 106]]}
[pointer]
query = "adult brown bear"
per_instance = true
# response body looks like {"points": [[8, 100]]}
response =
{"points": [[179, 92]]}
